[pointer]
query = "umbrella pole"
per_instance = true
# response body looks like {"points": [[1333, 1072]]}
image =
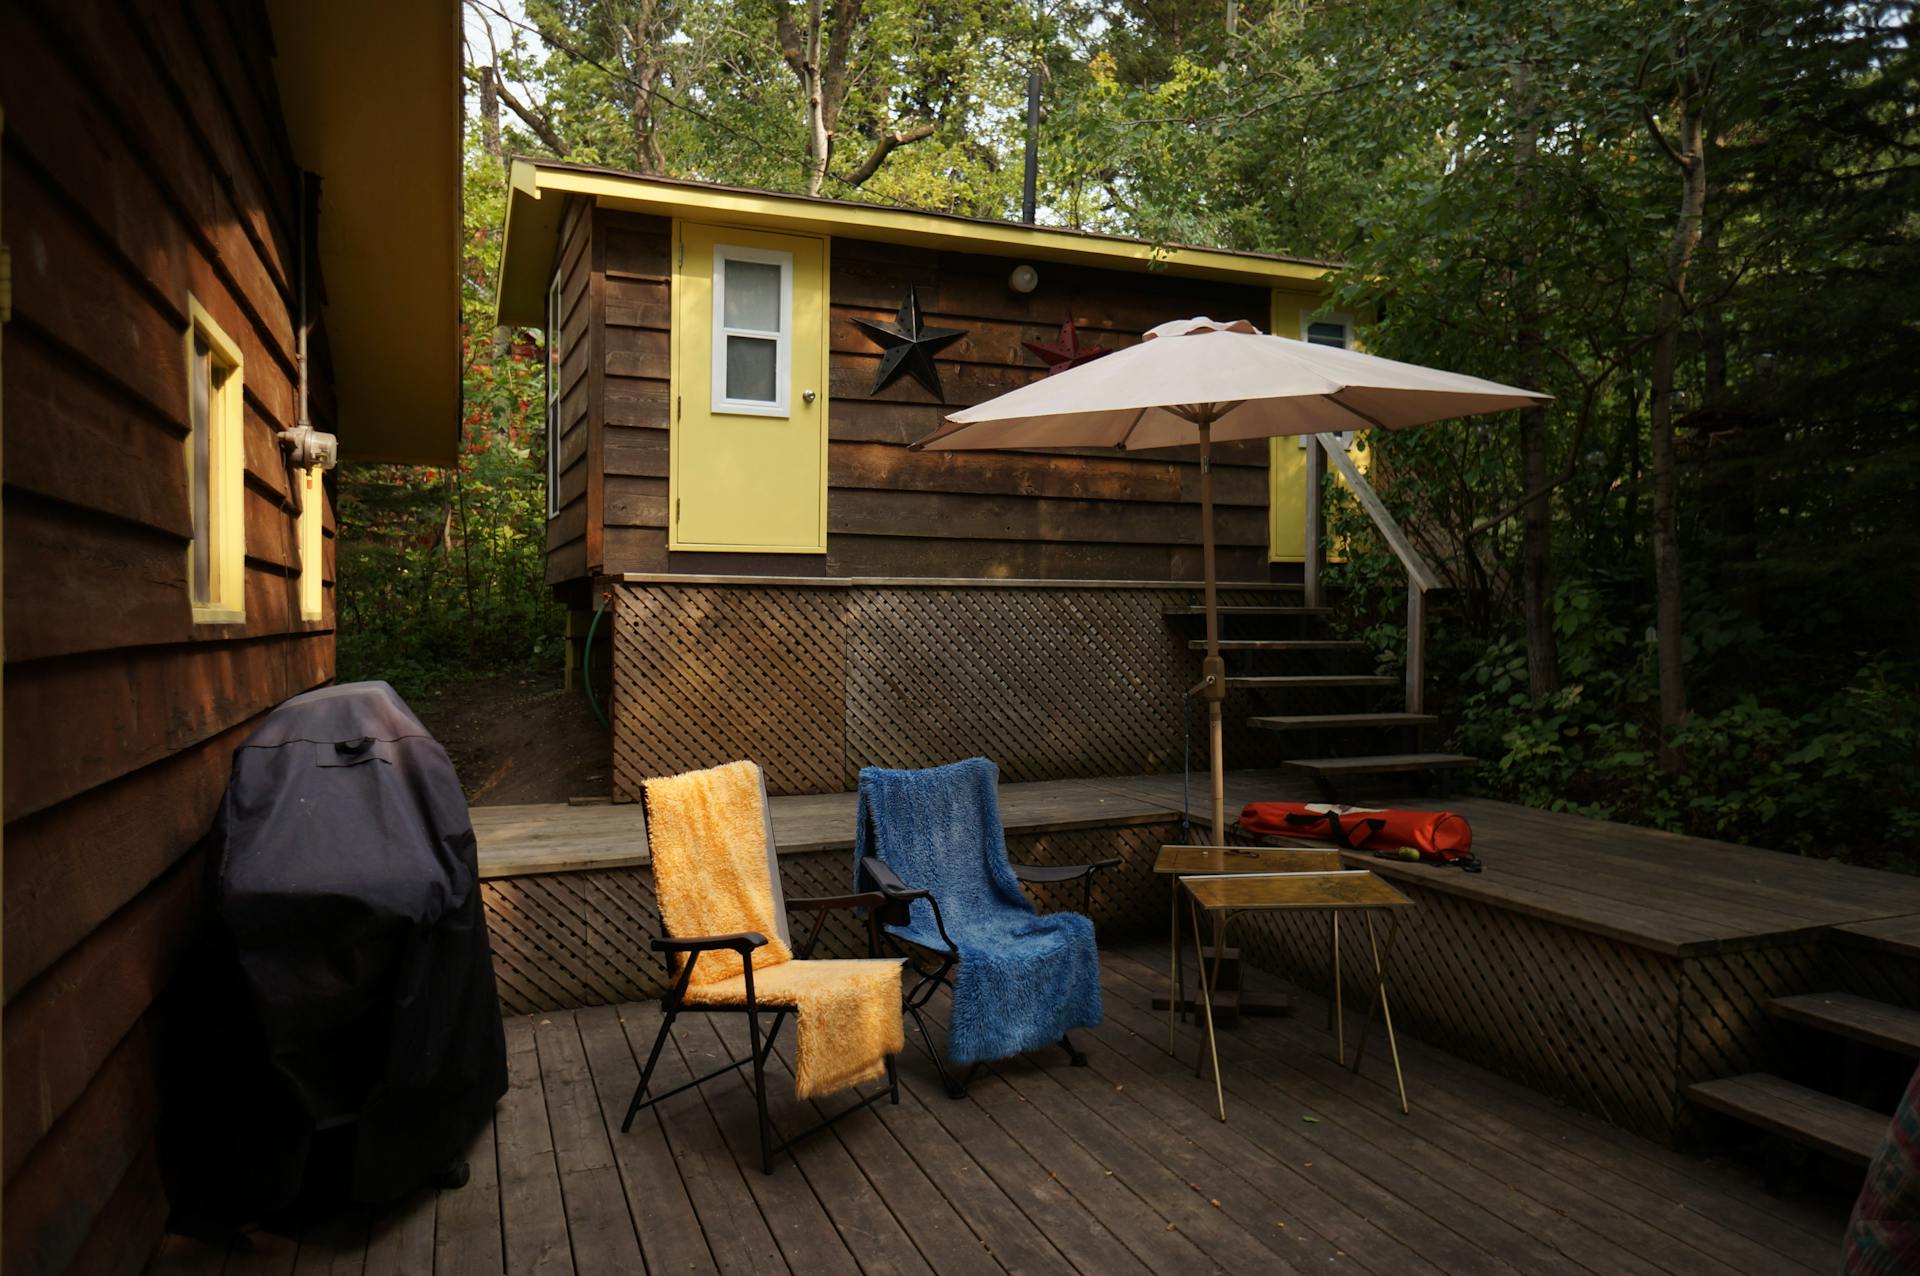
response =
{"points": [[1213, 670]]}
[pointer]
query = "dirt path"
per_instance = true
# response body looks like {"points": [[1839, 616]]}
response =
{"points": [[520, 738]]}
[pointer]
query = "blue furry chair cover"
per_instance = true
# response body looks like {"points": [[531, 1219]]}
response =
{"points": [[1024, 980]]}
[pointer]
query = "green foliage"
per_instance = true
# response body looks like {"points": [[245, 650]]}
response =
{"points": [[1835, 778], [704, 89], [1494, 180], [442, 570]]}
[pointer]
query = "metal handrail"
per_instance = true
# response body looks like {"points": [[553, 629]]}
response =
{"points": [[1327, 448]]}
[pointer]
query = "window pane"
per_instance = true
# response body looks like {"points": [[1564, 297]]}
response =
{"points": [[1327, 334], [750, 369], [752, 296], [200, 396]]}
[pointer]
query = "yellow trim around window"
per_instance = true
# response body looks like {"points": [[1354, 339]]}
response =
{"points": [[226, 474]]}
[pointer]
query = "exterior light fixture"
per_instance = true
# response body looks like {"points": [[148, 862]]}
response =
{"points": [[1023, 279]]}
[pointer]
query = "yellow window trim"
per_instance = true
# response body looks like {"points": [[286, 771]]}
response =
{"points": [[226, 474]]}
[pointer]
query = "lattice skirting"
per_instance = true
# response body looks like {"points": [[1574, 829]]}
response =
{"points": [[816, 682], [1613, 1029], [566, 940]]}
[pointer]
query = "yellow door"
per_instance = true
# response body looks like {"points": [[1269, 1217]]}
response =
{"points": [[749, 437]]}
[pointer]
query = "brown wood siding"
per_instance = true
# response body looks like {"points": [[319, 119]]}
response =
{"points": [[890, 512], [567, 539], [636, 315], [144, 160]]}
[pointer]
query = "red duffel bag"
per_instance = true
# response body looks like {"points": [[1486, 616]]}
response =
{"points": [[1439, 836]]}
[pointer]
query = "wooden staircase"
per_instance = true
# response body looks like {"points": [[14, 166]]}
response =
{"points": [[1808, 1116], [1337, 718]]}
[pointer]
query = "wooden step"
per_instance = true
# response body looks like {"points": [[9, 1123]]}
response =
{"points": [[1286, 682], [1807, 1117], [1856, 1018], [1183, 612], [1381, 764], [1327, 721], [1282, 644]]}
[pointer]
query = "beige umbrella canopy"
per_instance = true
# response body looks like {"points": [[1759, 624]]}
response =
{"points": [[1197, 381]]}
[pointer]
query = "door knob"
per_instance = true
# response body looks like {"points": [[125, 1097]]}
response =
{"points": [[807, 395]]}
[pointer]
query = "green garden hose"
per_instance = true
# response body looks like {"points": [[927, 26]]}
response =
{"points": [[586, 660]]}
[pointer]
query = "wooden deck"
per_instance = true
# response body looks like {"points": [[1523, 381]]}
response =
{"points": [[1116, 1168], [1606, 965], [1661, 891]]}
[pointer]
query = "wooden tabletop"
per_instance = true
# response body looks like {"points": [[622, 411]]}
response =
{"points": [[1246, 859], [1354, 888]]}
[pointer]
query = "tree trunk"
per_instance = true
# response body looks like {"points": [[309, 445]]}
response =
{"points": [[643, 73], [802, 52], [1689, 155], [490, 111], [1536, 535]]}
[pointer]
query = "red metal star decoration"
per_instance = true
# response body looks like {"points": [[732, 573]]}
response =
{"points": [[1067, 352]]}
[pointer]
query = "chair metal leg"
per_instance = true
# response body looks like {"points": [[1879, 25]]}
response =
{"points": [[760, 1091], [1074, 1054], [893, 1083], [646, 1073], [954, 1089]]}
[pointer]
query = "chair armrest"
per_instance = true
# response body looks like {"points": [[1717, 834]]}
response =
{"points": [[887, 882], [1061, 872], [816, 903], [743, 943], [900, 896]]}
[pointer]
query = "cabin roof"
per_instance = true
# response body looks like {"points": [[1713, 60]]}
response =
{"points": [[533, 225], [379, 121]]}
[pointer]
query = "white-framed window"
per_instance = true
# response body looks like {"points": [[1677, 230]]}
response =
{"points": [[216, 473], [1329, 330], [752, 330], [553, 388], [1334, 331]]}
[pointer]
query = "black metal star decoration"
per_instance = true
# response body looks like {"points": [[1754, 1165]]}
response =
{"points": [[1065, 353], [910, 346]]}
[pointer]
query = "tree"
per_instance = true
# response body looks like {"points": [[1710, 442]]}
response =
{"points": [[1683, 74]]}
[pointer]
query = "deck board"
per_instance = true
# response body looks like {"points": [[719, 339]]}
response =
{"points": [[1117, 1167], [1665, 891]]}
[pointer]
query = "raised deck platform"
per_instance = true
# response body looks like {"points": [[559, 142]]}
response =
{"points": [[1117, 1168], [1605, 964]]}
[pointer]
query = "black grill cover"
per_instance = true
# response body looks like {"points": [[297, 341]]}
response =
{"points": [[348, 897]]}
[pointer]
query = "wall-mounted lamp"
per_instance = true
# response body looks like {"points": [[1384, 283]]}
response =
{"points": [[1023, 279]]}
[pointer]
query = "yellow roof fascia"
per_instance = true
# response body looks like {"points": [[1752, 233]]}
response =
{"points": [[533, 221]]}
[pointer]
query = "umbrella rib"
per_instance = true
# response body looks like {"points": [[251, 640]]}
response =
{"points": [[1132, 425], [1334, 399]]}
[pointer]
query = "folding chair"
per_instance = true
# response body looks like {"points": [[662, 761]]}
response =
{"points": [[689, 851], [932, 844]]}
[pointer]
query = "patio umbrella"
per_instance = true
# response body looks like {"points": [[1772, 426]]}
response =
{"points": [[1199, 381]]}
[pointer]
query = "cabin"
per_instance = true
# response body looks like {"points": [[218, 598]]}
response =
{"points": [[198, 207], [734, 379]]}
